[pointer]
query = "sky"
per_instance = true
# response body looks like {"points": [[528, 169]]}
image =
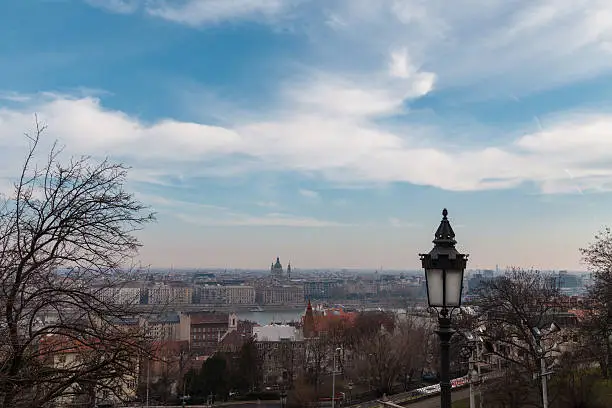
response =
{"points": [[330, 133]]}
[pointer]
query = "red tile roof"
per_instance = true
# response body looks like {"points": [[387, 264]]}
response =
{"points": [[209, 318]]}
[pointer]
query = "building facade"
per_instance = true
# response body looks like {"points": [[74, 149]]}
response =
{"points": [[204, 330], [285, 295], [281, 351], [170, 294]]}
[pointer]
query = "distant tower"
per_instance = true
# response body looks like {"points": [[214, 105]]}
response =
{"points": [[309, 328], [277, 269], [289, 270]]}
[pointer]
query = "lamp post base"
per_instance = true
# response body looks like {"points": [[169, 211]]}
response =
{"points": [[445, 332]]}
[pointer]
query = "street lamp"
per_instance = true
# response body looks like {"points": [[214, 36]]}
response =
{"points": [[540, 349], [283, 389], [473, 367], [444, 267], [338, 350]]}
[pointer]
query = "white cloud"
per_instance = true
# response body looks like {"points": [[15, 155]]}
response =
{"points": [[518, 46], [309, 193], [199, 12], [338, 149], [400, 66], [116, 6], [371, 95]]}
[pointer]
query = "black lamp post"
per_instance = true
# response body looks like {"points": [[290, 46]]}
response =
{"points": [[444, 267]]}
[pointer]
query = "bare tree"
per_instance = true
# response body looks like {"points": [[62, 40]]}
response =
{"points": [[510, 307], [575, 385], [598, 322], [317, 352], [415, 341], [391, 354], [66, 228]]}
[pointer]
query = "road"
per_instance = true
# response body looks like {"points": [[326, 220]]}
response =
{"points": [[236, 404], [434, 402]]}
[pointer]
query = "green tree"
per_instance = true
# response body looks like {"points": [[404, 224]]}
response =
{"points": [[211, 379]]}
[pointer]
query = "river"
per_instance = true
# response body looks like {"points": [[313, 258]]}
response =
{"points": [[295, 314], [267, 317]]}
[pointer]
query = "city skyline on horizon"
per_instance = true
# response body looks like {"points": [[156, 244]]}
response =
{"points": [[204, 269], [331, 135]]}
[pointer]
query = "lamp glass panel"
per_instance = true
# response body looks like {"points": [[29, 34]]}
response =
{"points": [[454, 282], [434, 287]]}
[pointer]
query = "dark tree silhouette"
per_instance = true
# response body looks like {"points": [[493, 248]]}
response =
{"points": [[66, 227]]}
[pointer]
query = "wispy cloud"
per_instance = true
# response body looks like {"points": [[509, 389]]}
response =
{"points": [[398, 223], [267, 220], [518, 46], [267, 204], [199, 12], [116, 6], [309, 194]]}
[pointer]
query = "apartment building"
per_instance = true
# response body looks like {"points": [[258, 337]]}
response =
{"points": [[289, 295], [281, 351], [163, 328], [204, 330], [67, 354], [169, 293], [126, 294], [239, 295]]}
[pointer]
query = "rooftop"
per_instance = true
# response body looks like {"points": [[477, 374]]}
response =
{"points": [[276, 332]]}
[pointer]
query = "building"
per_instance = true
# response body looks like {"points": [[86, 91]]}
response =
{"points": [[204, 330], [164, 327], [170, 361], [122, 294], [326, 320], [209, 294], [285, 295], [281, 351], [319, 289], [308, 325], [69, 355], [570, 284], [224, 295], [175, 293], [276, 270], [239, 295]]}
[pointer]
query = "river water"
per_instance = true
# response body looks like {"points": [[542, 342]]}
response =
{"points": [[289, 315], [277, 316]]}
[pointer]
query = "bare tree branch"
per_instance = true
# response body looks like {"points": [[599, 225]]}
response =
{"points": [[66, 234]]}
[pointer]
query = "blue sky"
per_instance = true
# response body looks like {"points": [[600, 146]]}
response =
{"points": [[330, 133]]}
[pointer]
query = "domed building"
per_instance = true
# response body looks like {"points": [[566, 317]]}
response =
{"points": [[276, 270]]}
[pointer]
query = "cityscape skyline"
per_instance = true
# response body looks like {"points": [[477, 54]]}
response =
{"points": [[329, 135]]}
